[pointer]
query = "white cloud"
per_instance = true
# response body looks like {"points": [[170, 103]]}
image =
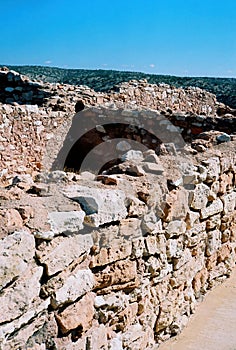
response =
{"points": [[152, 65], [48, 62]]}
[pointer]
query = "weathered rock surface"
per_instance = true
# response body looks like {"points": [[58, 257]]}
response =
{"points": [[100, 206], [117, 260], [62, 251], [16, 253]]}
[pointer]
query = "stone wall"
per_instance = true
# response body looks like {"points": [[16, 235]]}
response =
{"points": [[34, 113], [117, 261], [19, 89], [31, 137]]}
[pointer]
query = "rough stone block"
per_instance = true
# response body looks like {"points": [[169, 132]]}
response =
{"points": [[76, 285], [61, 251], [100, 205], [17, 300], [229, 201], [213, 209], [200, 197], [16, 252], [175, 228], [213, 242], [77, 315], [66, 222]]}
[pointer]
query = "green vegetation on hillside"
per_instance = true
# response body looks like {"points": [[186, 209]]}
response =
{"points": [[105, 80]]}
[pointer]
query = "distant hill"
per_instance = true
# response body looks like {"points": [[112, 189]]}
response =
{"points": [[105, 80]]}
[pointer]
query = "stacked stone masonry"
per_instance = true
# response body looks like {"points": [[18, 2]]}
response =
{"points": [[26, 126], [115, 261]]}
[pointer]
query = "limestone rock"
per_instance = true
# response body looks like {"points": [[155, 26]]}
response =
{"points": [[136, 338], [66, 222], [214, 208], [192, 218], [213, 168], [153, 168], [118, 250], [229, 201], [132, 155], [16, 252], [100, 205], [181, 259], [37, 308], [116, 274], [62, 251], [18, 341], [176, 206], [214, 242], [75, 286], [175, 227], [17, 300], [196, 234], [77, 315], [11, 221], [200, 197]]}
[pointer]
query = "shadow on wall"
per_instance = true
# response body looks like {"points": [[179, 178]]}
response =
{"points": [[98, 137]]}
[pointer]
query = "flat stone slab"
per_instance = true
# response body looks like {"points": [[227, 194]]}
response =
{"points": [[62, 251], [101, 206]]}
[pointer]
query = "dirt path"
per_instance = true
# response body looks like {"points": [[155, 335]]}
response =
{"points": [[213, 326]]}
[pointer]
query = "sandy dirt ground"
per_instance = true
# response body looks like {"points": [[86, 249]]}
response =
{"points": [[213, 326]]}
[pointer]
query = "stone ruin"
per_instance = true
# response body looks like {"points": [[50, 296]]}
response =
{"points": [[118, 257]]}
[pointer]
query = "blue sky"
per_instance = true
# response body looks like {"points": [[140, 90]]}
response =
{"points": [[177, 37]]}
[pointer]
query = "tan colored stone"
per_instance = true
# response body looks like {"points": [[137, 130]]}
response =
{"points": [[200, 280], [137, 338], [226, 182], [16, 252], [125, 318], [213, 242], [118, 250], [223, 253], [213, 209], [165, 316], [10, 221], [211, 261], [130, 228], [192, 219], [181, 259], [229, 201], [213, 168], [200, 197], [77, 315], [77, 284], [196, 234], [176, 206], [118, 273], [175, 228], [213, 222], [62, 251], [233, 233], [151, 245], [18, 299]]}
